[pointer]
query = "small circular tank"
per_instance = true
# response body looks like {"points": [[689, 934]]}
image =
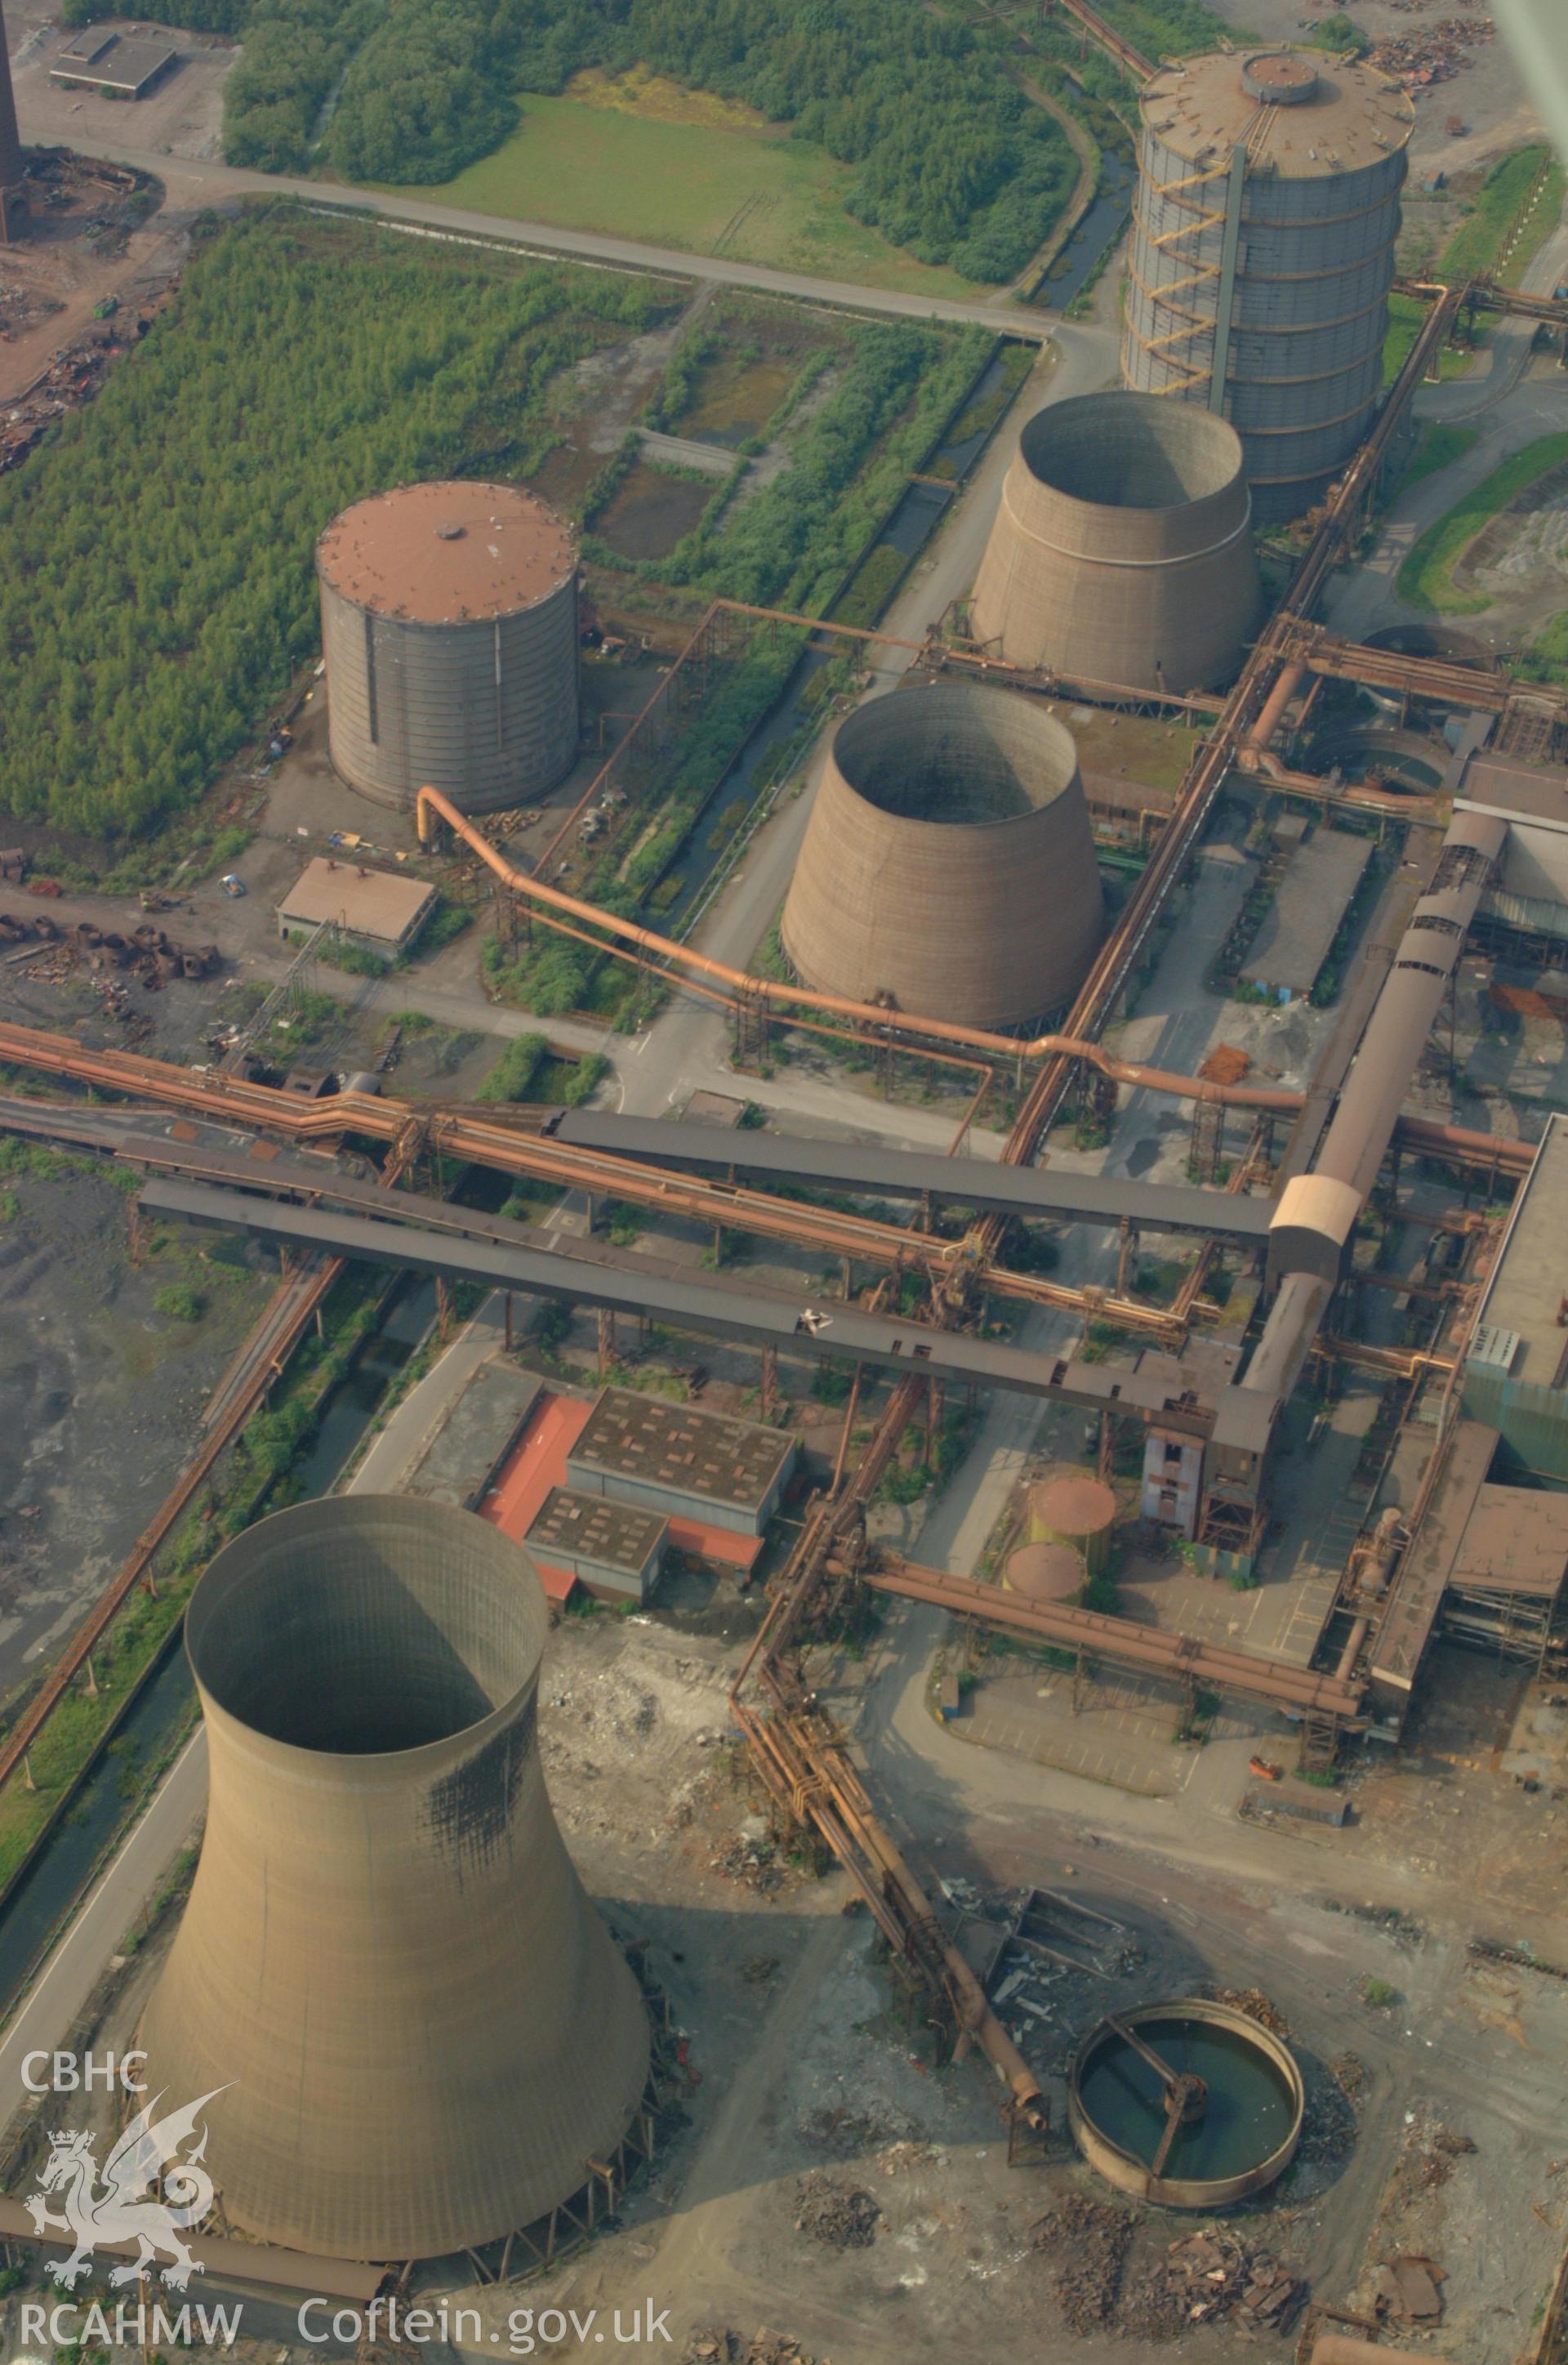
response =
{"points": [[449, 623], [1188, 2104], [948, 864], [1122, 549], [1073, 1508], [1044, 1573]]}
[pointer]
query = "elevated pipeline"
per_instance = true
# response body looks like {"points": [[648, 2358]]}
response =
{"points": [[743, 988]]}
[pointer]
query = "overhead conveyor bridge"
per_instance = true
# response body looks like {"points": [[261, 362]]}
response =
{"points": [[982, 1183], [520, 1257]]}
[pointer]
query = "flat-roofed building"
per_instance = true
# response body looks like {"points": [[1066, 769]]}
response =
{"points": [[682, 1461], [376, 908], [106, 61], [616, 1550], [1516, 1367]]}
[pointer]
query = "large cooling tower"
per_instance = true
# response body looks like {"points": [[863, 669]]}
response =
{"points": [[13, 198], [1262, 251], [949, 866], [449, 624], [423, 2028], [1121, 550]]}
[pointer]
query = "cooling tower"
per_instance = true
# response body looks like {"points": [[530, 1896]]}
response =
{"points": [[13, 198], [1262, 249], [449, 623], [1122, 550], [423, 2027], [947, 867]]}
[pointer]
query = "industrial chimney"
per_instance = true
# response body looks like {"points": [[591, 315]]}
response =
{"points": [[13, 197], [423, 2030]]}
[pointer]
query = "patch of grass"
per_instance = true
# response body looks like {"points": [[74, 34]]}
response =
{"points": [[1438, 446], [178, 1302], [587, 166], [1475, 247], [1380, 1994], [1546, 659], [514, 1072], [1425, 580], [1405, 314]]}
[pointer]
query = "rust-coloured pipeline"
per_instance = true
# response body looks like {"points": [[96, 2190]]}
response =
{"points": [[738, 982]]}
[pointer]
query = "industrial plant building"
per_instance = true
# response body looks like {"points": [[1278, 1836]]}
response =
{"points": [[449, 624], [948, 864], [1262, 255], [615, 1550], [1515, 1373], [372, 908], [681, 1462], [384, 1919], [97, 59], [1121, 550]]}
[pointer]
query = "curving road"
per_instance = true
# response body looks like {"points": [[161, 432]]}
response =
{"points": [[196, 183]]}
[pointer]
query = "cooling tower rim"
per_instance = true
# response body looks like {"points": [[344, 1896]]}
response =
{"points": [[1177, 431], [893, 714], [249, 1558]]}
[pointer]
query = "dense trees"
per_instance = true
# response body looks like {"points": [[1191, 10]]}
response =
{"points": [[157, 586], [949, 158], [427, 94]]}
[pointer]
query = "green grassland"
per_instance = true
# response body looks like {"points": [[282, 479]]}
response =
{"points": [[1425, 580], [702, 188], [1475, 246]]}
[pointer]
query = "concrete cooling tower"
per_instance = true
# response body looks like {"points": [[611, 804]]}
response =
{"points": [[449, 622], [13, 196], [1262, 250], [1121, 550], [948, 867], [423, 2030]]}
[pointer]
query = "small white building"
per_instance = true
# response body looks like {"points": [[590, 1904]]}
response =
{"points": [[373, 908]]}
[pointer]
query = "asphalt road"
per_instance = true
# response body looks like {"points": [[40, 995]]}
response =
{"points": [[194, 183]]}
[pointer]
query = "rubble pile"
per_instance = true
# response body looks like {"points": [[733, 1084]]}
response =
{"points": [[842, 2215], [723, 2347], [1205, 2277], [1410, 2290], [1348, 2073], [1433, 55], [1257, 2006], [1087, 2283]]}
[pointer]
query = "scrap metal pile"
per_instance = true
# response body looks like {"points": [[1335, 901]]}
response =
{"points": [[147, 952], [1435, 54]]}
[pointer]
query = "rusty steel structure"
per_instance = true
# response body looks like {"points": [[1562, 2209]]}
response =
{"points": [[1123, 540], [1262, 254], [948, 862], [384, 1918], [1115, 44], [12, 189]]}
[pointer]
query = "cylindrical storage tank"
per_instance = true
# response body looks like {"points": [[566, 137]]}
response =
{"points": [[1071, 1507], [1262, 251], [411, 2030], [949, 866], [1122, 550], [1044, 1573], [449, 623]]}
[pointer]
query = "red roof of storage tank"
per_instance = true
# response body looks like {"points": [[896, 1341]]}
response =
{"points": [[447, 553]]}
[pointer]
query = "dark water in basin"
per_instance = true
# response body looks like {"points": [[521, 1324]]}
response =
{"points": [[1248, 2116]]}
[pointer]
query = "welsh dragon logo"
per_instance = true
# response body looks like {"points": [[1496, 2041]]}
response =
{"points": [[121, 2204]]}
